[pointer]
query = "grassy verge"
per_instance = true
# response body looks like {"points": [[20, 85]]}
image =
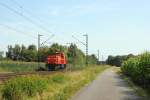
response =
{"points": [[138, 90], [18, 66], [58, 86]]}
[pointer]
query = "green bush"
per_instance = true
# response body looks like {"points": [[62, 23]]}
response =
{"points": [[138, 68], [22, 87]]}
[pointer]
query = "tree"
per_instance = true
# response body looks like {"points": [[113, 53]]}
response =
{"points": [[72, 52], [31, 53], [22, 54], [32, 47], [55, 48], [1, 54], [44, 52], [117, 60], [75, 55], [9, 53], [92, 59]]}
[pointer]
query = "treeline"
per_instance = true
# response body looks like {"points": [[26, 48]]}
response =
{"points": [[30, 53], [138, 68], [117, 60], [1, 55]]}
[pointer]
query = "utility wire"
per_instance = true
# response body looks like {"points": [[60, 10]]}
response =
{"points": [[27, 11], [25, 17], [78, 40], [16, 30], [48, 39], [15, 2]]}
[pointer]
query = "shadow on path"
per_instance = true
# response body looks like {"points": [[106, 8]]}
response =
{"points": [[126, 90], [107, 86]]}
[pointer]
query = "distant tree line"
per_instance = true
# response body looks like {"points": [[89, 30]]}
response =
{"points": [[117, 60], [1, 54], [30, 53]]}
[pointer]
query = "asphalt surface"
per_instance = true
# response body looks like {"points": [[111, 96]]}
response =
{"points": [[108, 86]]}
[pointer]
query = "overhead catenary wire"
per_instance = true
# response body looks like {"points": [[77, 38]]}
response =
{"points": [[27, 12], [78, 40], [18, 31], [25, 17], [48, 39], [15, 2]]}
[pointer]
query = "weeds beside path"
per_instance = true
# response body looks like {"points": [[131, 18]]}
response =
{"points": [[138, 90], [58, 86]]}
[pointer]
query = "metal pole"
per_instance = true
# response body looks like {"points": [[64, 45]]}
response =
{"points": [[39, 46], [86, 35], [85, 44], [87, 49], [98, 55]]}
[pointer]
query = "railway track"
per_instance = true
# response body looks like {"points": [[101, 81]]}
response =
{"points": [[7, 76]]}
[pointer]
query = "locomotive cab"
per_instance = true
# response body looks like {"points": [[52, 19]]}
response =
{"points": [[56, 61]]}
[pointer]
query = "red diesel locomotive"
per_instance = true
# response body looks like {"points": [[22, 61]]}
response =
{"points": [[56, 61]]}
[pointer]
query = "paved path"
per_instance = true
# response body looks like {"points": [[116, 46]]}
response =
{"points": [[107, 86]]}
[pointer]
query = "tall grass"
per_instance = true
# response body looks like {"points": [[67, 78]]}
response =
{"points": [[22, 88], [57, 86], [138, 68], [18, 66]]}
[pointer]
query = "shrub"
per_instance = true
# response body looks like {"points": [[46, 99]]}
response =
{"points": [[22, 87], [138, 68]]}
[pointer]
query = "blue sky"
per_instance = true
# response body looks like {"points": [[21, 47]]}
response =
{"points": [[114, 26]]}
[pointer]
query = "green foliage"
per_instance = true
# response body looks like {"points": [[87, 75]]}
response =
{"points": [[23, 87], [22, 53], [58, 78], [56, 48], [73, 54], [92, 59], [19, 66], [75, 83], [138, 68], [57, 86], [1, 55], [117, 60], [45, 51]]}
